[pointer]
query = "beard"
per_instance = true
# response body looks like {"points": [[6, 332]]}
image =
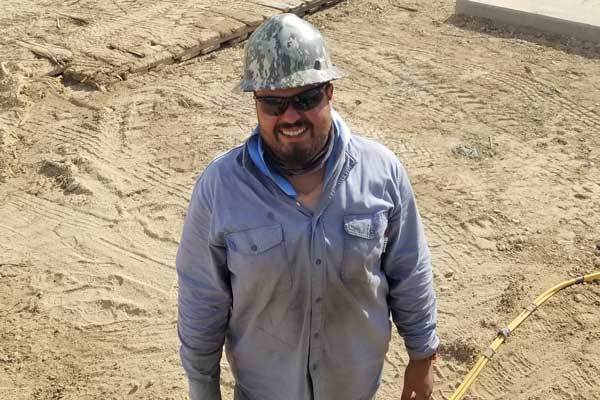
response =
{"points": [[301, 154]]}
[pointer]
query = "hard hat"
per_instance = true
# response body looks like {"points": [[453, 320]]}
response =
{"points": [[286, 52]]}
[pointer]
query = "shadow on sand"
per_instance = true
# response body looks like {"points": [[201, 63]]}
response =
{"points": [[486, 26]]}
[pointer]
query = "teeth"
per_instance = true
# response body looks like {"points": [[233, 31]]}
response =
{"points": [[293, 132]]}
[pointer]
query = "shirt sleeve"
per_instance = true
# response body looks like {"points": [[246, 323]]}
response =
{"points": [[407, 265], [204, 298]]}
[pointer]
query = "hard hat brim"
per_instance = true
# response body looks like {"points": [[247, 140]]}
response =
{"points": [[298, 79]]}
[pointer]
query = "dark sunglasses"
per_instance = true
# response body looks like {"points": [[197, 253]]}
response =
{"points": [[302, 101]]}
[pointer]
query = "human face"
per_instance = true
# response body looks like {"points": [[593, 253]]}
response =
{"points": [[295, 136]]}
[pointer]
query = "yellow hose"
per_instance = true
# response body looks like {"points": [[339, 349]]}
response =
{"points": [[505, 332]]}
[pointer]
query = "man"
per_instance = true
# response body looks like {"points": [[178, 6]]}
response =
{"points": [[299, 244]]}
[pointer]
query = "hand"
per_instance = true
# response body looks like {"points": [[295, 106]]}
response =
{"points": [[418, 380]]}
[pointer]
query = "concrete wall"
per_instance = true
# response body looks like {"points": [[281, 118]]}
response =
{"points": [[577, 18]]}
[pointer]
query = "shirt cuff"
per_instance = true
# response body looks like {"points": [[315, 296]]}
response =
{"points": [[424, 351], [204, 390]]}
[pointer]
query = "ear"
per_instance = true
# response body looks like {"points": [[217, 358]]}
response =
{"points": [[329, 91]]}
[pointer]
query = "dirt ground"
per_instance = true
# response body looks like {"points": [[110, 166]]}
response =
{"points": [[500, 132]]}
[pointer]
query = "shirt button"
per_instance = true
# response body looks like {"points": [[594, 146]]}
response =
{"points": [[316, 335], [318, 300], [315, 366], [318, 262], [253, 247]]}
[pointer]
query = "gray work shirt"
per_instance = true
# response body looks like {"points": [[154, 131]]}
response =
{"points": [[301, 299]]}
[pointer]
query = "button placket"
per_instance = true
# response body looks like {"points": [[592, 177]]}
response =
{"points": [[317, 276]]}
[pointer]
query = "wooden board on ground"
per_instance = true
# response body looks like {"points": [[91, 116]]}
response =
{"points": [[281, 5], [245, 16], [255, 9], [102, 42]]}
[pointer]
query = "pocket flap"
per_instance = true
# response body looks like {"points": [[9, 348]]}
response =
{"points": [[255, 240], [359, 225]]}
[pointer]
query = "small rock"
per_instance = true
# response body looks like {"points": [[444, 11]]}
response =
{"points": [[449, 274], [484, 244], [597, 245], [72, 187], [134, 389], [597, 262], [578, 298], [443, 289], [466, 151], [566, 237]]}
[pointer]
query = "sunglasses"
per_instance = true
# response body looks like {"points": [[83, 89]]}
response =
{"points": [[302, 101]]}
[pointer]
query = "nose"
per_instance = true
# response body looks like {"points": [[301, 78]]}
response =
{"points": [[290, 115]]}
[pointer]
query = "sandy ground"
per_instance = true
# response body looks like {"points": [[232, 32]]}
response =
{"points": [[500, 132]]}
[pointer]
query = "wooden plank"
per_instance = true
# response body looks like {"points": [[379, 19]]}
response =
{"points": [[316, 5], [179, 34], [227, 28], [264, 11], [107, 56], [163, 57], [57, 55], [247, 17], [281, 5], [298, 7], [137, 44], [125, 49], [200, 42]]}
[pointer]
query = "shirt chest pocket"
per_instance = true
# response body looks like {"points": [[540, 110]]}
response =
{"points": [[258, 256], [364, 243]]}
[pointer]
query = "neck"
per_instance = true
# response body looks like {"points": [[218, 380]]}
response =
{"points": [[309, 187], [307, 183], [316, 163]]}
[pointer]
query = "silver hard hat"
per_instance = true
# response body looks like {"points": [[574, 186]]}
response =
{"points": [[286, 52]]}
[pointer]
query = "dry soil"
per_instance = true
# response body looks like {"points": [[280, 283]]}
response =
{"points": [[499, 129]]}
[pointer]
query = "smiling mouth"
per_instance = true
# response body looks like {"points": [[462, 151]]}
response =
{"points": [[293, 132]]}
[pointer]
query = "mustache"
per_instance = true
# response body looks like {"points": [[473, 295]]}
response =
{"points": [[298, 124]]}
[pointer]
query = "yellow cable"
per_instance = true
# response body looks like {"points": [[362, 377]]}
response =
{"points": [[504, 333]]}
